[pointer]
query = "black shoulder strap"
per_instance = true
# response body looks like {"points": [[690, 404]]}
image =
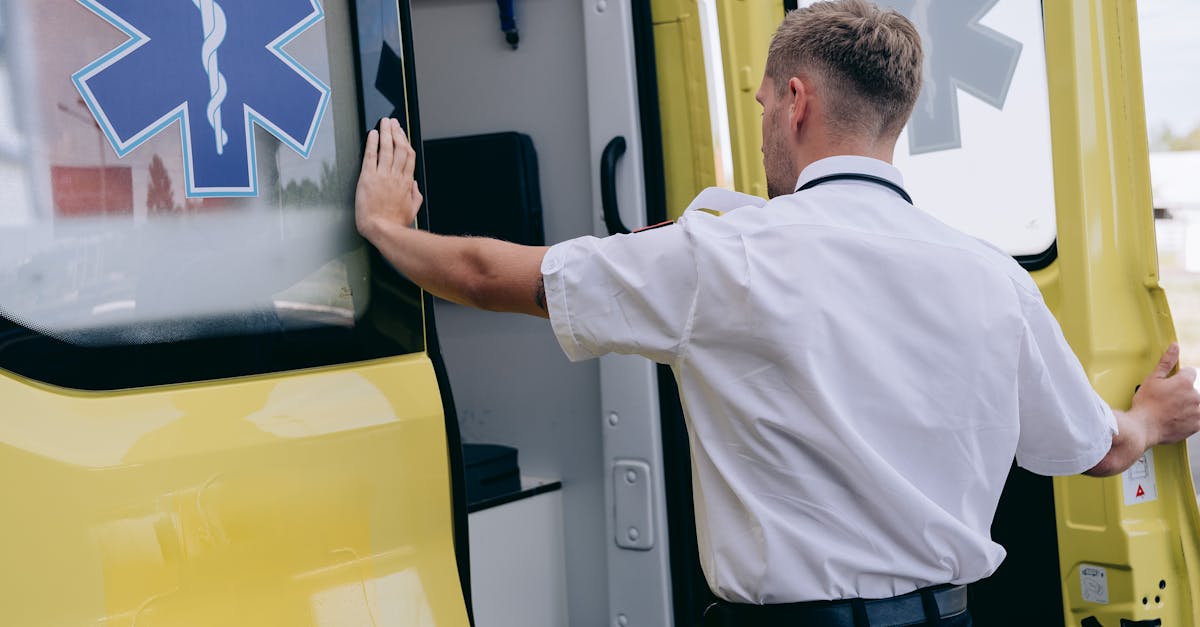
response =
{"points": [[855, 176]]}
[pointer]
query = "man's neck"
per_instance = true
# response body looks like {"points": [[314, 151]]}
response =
{"points": [[882, 151]]}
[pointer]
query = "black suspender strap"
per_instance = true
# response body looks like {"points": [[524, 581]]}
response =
{"points": [[855, 176]]}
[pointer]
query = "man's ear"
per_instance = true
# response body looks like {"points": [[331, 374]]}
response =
{"points": [[796, 95]]}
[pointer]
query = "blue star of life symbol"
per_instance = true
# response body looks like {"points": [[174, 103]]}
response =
{"points": [[218, 68], [960, 53]]}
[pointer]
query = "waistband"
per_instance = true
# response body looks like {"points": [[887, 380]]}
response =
{"points": [[914, 608]]}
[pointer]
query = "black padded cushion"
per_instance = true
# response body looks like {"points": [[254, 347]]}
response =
{"points": [[485, 185]]}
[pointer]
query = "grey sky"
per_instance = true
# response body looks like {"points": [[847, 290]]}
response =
{"points": [[1171, 62]]}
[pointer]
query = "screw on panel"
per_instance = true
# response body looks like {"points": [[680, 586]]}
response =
{"points": [[601, 6], [613, 418], [633, 534], [622, 620], [631, 476]]}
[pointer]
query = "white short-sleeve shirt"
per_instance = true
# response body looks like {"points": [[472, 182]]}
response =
{"points": [[857, 378]]}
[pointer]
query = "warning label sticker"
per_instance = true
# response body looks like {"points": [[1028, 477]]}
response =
{"points": [[1094, 580], [1140, 484]]}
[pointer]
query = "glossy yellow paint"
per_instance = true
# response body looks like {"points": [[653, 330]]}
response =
{"points": [[312, 498], [688, 158], [1104, 291], [746, 30]]}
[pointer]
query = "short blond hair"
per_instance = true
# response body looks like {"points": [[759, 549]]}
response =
{"points": [[868, 59]]}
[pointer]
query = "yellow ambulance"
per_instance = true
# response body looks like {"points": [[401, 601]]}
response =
{"points": [[220, 406]]}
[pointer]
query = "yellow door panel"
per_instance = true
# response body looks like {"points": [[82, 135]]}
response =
{"points": [[688, 155], [746, 29], [314, 498], [689, 150], [1104, 291]]}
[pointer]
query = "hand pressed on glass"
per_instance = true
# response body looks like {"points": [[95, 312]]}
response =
{"points": [[387, 192]]}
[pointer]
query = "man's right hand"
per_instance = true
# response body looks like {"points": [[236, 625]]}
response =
{"points": [[1165, 410], [1169, 403]]}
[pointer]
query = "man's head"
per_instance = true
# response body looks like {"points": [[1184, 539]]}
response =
{"points": [[842, 78]]}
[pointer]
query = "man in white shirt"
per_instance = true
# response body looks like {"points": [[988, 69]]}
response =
{"points": [[857, 377]]}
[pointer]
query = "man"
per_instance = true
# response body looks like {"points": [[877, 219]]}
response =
{"points": [[857, 376]]}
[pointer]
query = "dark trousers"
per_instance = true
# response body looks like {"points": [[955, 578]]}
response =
{"points": [[720, 615], [714, 619]]}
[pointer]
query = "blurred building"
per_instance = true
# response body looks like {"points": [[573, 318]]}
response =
{"points": [[1176, 180]]}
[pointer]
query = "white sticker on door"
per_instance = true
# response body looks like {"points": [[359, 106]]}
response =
{"points": [[1094, 580], [1140, 484]]}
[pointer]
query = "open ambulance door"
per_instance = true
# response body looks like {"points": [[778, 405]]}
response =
{"points": [[1129, 546], [1029, 133], [219, 406]]}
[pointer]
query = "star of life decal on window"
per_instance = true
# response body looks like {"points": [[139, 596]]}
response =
{"points": [[218, 68]]}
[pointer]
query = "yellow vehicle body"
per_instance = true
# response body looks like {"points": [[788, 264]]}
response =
{"points": [[323, 496], [318, 496], [310, 498], [689, 157]]}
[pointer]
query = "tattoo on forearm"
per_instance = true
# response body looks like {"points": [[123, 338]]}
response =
{"points": [[540, 295]]}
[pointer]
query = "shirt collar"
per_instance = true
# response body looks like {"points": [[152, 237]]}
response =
{"points": [[849, 163]]}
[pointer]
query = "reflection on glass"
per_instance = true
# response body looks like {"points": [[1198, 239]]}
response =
{"points": [[381, 59], [122, 255]]}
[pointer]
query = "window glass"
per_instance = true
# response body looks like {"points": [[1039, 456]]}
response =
{"points": [[1171, 75], [184, 172], [976, 152]]}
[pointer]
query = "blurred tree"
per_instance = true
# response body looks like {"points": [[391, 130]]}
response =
{"points": [[1164, 139], [160, 197], [330, 192]]}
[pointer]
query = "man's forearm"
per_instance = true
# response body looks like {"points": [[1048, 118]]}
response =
{"points": [[473, 271], [1134, 437]]}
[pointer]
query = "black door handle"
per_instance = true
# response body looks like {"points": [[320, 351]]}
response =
{"points": [[608, 185]]}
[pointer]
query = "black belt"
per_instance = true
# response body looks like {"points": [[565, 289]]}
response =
{"points": [[915, 608]]}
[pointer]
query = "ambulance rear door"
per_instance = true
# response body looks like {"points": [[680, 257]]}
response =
{"points": [[219, 403]]}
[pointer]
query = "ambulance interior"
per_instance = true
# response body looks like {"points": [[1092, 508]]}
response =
{"points": [[510, 381]]}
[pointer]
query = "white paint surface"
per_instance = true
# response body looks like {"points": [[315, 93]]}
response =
{"points": [[518, 571]]}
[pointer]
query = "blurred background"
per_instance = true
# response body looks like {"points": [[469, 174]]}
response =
{"points": [[1171, 72]]}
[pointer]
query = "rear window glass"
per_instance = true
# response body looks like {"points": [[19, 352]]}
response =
{"points": [[977, 152], [174, 171]]}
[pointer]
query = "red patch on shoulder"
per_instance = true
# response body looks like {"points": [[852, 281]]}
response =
{"points": [[654, 226]]}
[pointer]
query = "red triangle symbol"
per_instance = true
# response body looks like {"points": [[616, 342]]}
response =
{"points": [[1140, 491]]}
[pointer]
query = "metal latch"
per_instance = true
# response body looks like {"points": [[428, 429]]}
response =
{"points": [[633, 514]]}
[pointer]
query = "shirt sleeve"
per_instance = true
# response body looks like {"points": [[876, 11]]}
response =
{"points": [[632, 294], [1066, 428]]}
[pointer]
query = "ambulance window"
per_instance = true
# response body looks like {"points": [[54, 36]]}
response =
{"points": [[976, 152], [178, 193]]}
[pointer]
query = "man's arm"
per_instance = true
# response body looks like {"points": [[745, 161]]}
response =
{"points": [[479, 272], [1165, 409]]}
